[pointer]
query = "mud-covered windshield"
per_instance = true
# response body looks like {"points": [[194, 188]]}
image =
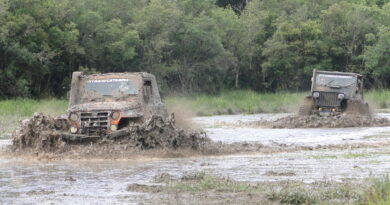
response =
{"points": [[335, 81], [108, 88]]}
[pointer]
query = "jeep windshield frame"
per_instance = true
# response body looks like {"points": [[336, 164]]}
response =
{"points": [[101, 90], [337, 82]]}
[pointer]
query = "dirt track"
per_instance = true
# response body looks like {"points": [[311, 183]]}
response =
{"points": [[302, 155]]}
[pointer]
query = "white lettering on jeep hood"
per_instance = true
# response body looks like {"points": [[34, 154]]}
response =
{"points": [[335, 76], [108, 80]]}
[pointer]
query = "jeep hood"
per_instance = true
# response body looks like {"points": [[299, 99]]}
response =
{"points": [[102, 106]]}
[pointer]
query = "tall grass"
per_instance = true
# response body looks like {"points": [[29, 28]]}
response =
{"points": [[244, 101], [27, 107], [378, 192], [12, 111], [378, 98]]}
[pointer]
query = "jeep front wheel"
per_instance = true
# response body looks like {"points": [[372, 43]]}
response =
{"points": [[306, 107]]}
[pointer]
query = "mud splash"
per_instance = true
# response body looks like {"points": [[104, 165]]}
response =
{"points": [[40, 137], [45, 134], [157, 133], [315, 121], [41, 132]]}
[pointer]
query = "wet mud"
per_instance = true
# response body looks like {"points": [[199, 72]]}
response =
{"points": [[157, 133], [41, 132], [45, 134], [247, 158], [40, 137], [315, 121]]}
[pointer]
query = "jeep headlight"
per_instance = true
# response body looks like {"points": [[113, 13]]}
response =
{"points": [[340, 96], [73, 129], [116, 115], [114, 127], [316, 94], [73, 117]]}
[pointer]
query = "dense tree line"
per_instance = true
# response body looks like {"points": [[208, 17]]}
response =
{"points": [[191, 45]]}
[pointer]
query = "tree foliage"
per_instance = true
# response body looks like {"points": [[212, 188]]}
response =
{"points": [[191, 45]]}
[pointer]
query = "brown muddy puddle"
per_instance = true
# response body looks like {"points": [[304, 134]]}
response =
{"points": [[105, 182], [224, 129]]}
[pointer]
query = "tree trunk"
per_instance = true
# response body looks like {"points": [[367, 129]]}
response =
{"points": [[237, 77]]}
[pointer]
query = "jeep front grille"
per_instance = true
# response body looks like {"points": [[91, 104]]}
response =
{"points": [[328, 99], [94, 122]]}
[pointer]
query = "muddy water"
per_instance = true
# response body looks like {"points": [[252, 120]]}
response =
{"points": [[299, 137], [69, 182], [219, 129], [105, 182]]}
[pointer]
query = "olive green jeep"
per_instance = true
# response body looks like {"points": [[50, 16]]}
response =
{"points": [[333, 93]]}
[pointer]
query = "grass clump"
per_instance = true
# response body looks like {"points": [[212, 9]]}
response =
{"points": [[284, 192], [377, 193], [356, 155], [322, 192], [326, 156], [345, 156], [294, 197], [199, 182], [212, 189]]}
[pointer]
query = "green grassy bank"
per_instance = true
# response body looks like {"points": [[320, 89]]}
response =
{"points": [[231, 102], [27, 107], [12, 111], [234, 102]]}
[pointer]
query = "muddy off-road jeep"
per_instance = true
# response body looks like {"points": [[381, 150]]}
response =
{"points": [[334, 93], [103, 104]]}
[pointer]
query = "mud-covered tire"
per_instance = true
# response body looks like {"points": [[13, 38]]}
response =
{"points": [[306, 107]]}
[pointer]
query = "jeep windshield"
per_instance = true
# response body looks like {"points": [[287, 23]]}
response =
{"points": [[335, 81], [102, 89]]}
